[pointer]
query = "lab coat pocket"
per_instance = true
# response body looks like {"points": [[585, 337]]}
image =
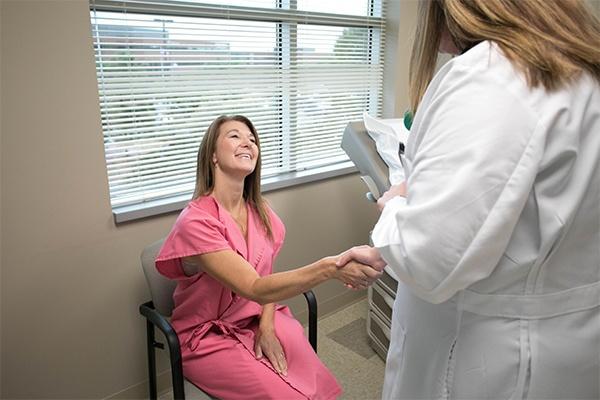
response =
{"points": [[395, 361], [399, 321], [397, 343]]}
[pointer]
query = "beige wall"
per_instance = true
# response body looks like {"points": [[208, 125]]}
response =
{"points": [[71, 281], [407, 11], [595, 4], [1, 223]]}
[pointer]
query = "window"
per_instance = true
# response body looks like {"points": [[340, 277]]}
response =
{"points": [[299, 69]]}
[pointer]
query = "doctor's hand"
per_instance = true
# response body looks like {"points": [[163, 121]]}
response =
{"points": [[363, 254], [266, 343], [393, 191], [357, 276]]}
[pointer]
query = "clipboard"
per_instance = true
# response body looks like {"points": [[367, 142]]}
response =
{"points": [[362, 151]]}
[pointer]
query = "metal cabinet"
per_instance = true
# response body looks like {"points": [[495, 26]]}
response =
{"points": [[379, 319]]}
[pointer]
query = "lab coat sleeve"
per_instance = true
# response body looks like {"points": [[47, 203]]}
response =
{"points": [[474, 159]]}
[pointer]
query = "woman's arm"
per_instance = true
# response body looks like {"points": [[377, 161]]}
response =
{"points": [[267, 316], [393, 191], [237, 274], [266, 342]]}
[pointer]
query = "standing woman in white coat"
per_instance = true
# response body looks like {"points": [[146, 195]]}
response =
{"points": [[496, 234]]}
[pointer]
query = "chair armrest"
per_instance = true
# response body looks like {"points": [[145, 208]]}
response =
{"points": [[154, 318], [312, 318], [148, 311]]}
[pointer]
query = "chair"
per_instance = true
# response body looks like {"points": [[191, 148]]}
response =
{"points": [[158, 310]]}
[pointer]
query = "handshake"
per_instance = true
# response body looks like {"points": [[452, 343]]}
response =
{"points": [[359, 267]]}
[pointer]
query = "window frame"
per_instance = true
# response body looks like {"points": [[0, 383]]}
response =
{"points": [[150, 208]]}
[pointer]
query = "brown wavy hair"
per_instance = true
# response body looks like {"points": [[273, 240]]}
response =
{"points": [[205, 172], [551, 41]]}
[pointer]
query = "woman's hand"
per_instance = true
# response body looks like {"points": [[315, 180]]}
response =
{"points": [[363, 254], [394, 190], [356, 275], [267, 344]]}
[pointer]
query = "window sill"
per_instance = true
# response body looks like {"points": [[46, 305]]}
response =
{"points": [[177, 203]]}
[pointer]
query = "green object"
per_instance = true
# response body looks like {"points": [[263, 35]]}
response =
{"points": [[408, 119]]}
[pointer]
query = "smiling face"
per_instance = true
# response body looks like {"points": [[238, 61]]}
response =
{"points": [[236, 150]]}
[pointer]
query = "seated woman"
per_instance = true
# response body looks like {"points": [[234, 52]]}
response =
{"points": [[221, 251]]}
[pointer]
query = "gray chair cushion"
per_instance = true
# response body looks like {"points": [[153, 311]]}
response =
{"points": [[161, 291], [161, 288]]}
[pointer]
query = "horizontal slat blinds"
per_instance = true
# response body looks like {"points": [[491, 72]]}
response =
{"points": [[299, 69]]}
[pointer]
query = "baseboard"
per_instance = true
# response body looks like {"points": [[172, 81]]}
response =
{"points": [[140, 391], [332, 305], [341, 301]]}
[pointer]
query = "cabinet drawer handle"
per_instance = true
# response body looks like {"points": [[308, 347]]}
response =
{"points": [[389, 300], [381, 325]]}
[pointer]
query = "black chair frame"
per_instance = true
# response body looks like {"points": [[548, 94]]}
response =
{"points": [[155, 319]]}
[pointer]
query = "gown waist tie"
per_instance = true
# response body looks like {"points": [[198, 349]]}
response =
{"points": [[224, 327], [531, 306]]}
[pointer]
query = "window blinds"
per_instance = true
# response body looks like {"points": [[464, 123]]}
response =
{"points": [[166, 69]]}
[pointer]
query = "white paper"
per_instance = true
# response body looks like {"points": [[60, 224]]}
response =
{"points": [[388, 134]]}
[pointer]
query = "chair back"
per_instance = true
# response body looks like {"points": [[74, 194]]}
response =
{"points": [[161, 288]]}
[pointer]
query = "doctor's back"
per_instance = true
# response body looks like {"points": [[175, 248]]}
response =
{"points": [[497, 244]]}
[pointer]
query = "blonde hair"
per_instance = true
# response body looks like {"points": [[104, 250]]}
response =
{"points": [[550, 41], [205, 172]]}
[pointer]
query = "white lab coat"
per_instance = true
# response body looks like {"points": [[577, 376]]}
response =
{"points": [[498, 243]]}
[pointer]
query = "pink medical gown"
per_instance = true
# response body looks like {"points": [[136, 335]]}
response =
{"points": [[216, 327]]}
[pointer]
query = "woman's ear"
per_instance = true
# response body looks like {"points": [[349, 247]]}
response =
{"points": [[214, 158]]}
